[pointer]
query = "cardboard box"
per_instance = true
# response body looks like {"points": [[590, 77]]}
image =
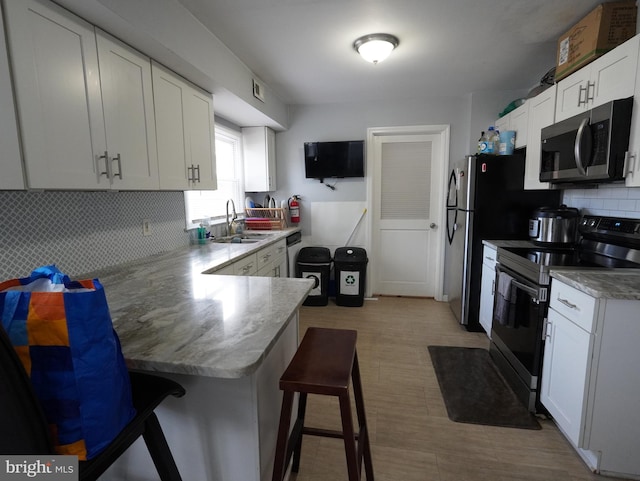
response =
{"points": [[603, 29]]}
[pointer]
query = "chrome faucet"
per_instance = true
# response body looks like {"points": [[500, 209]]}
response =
{"points": [[235, 216]]}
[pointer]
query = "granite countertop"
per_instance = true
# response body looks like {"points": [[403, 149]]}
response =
{"points": [[602, 283], [507, 243], [170, 317]]}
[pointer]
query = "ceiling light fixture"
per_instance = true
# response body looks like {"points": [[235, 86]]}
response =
{"points": [[375, 47]]}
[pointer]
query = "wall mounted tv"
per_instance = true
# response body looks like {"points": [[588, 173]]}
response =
{"points": [[323, 160]]}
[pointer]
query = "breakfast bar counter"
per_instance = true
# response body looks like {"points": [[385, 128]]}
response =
{"points": [[226, 339]]}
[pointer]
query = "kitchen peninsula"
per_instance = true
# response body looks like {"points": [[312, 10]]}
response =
{"points": [[226, 339]]}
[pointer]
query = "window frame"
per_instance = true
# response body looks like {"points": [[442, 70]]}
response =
{"points": [[234, 137]]}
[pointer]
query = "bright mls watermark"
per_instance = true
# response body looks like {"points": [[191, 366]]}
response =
{"points": [[49, 468]]}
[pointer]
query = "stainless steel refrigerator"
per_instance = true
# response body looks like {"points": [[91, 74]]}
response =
{"points": [[485, 200]]}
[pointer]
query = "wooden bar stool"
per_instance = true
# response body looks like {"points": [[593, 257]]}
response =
{"points": [[325, 363]]}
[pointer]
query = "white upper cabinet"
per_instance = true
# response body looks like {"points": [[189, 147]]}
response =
{"points": [[259, 148], [127, 97], [184, 128], [503, 123], [200, 134], [541, 114], [519, 122], [632, 178], [170, 129], [11, 176], [516, 120], [610, 77], [85, 103], [57, 86]]}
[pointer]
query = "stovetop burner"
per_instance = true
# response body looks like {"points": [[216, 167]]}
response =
{"points": [[605, 242], [547, 256]]}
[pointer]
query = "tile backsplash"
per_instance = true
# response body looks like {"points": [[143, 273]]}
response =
{"points": [[85, 231], [609, 200]]}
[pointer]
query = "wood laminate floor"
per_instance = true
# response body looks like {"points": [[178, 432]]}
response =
{"points": [[412, 439]]}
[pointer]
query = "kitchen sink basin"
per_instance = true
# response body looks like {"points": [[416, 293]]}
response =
{"points": [[241, 239]]}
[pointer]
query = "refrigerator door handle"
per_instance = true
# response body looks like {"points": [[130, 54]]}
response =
{"points": [[453, 188], [452, 226]]}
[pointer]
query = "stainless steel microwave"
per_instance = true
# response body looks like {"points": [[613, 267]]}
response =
{"points": [[590, 147]]}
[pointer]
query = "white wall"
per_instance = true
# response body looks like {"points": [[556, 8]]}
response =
{"points": [[350, 122]]}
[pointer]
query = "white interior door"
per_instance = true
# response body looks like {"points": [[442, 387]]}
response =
{"points": [[407, 201]]}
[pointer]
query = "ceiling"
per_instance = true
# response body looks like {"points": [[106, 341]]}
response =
{"points": [[302, 49]]}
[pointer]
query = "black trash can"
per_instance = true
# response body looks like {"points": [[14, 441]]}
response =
{"points": [[315, 263], [350, 265]]}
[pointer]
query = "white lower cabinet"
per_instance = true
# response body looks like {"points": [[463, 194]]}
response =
{"points": [[272, 260], [564, 376], [487, 288], [247, 266], [590, 379], [225, 271]]}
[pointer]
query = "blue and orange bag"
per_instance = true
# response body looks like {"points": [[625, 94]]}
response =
{"points": [[63, 334]]}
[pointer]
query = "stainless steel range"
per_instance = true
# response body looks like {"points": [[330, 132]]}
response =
{"points": [[517, 341]]}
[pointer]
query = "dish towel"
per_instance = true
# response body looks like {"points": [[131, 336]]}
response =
{"points": [[504, 311]]}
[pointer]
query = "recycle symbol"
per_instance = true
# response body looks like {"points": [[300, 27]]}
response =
{"points": [[350, 280]]}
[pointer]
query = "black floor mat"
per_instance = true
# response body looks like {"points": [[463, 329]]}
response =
{"points": [[475, 392]]}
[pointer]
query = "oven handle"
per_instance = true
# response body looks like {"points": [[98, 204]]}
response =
{"points": [[530, 290], [538, 294]]}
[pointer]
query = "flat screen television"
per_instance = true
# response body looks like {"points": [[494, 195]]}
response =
{"points": [[323, 160]]}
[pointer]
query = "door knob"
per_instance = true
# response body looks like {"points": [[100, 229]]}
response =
{"points": [[433, 225]]}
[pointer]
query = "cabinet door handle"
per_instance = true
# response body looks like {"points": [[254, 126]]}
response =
{"points": [[107, 165], [546, 330], [590, 98], [580, 101], [629, 162], [196, 179], [568, 304], [493, 287], [190, 173], [119, 174]]}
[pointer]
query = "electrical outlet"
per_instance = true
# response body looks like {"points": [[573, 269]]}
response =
{"points": [[146, 227]]}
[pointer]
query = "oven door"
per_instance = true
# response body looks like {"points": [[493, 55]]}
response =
{"points": [[517, 328]]}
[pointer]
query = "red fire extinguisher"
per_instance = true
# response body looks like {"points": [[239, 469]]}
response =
{"points": [[294, 209]]}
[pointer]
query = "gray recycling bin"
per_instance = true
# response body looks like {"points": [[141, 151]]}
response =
{"points": [[315, 263], [350, 264]]}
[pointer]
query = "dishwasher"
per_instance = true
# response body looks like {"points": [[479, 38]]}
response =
{"points": [[294, 244]]}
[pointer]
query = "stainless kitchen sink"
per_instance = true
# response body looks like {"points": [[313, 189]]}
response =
{"points": [[241, 239]]}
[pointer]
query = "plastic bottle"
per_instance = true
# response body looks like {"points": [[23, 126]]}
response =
{"points": [[202, 234], [481, 143], [492, 141], [496, 141]]}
